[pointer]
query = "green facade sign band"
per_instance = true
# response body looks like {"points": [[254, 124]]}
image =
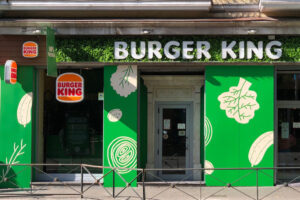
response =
{"points": [[239, 124], [51, 58], [179, 48], [120, 124], [16, 128]]}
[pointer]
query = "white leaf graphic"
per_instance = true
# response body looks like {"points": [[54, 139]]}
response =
{"points": [[208, 131], [240, 102], [259, 147], [124, 80], [208, 165], [24, 109]]}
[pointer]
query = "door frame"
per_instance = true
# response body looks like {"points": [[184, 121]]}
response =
{"points": [[189, 141]]}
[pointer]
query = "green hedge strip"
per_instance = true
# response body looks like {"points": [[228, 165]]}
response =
{"points": [[101, 49]]}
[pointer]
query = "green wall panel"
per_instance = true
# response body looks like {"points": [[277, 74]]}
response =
{"points": [[16, 127], [120, 123], [239, 123]]}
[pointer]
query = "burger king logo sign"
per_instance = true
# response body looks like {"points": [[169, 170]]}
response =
{"points": [[69, 88], [30, 49]]}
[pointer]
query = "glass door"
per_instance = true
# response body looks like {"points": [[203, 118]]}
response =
{"points": [[174, 139], [288, 104]]}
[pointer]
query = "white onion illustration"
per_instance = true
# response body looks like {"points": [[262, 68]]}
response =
{"points": [[122, 152], [24, 109], [208, 131], [114, 115]]}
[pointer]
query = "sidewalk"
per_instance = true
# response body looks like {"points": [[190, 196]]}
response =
{"points": [[159, 192]]}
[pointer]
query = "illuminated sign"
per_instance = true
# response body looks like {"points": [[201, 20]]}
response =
{"points": [[196, 49], [10, 72], [30, 49], [69, 88]]}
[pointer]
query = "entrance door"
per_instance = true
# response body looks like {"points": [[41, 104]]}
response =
{"points": [[288, 104], [174, 122]]}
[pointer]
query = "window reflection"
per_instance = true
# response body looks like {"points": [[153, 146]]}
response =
{"points": [[288, 87]]}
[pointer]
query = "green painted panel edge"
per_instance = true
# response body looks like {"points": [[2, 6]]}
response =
{"points": [[124, 129], [143, 124], [17, 147]]}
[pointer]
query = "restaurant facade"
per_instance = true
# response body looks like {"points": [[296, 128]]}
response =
{"points": [[155, 101]]}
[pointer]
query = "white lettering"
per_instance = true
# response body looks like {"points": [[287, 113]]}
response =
{"points": [[186, 49], [228, 49], [242, 50], [203, 51], [154, 50], [258, 51], [278, 51], [176, 52], [120, 50], [134, 53]]}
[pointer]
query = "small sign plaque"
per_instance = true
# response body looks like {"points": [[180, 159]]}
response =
{"points": [[10, 72]]}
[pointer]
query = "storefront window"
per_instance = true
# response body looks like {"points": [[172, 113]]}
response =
{"points": [[288, 86], [73, 131]]}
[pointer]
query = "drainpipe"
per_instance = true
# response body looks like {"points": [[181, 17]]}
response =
{"points": [[275, 6], [107, 5], [235, 8]]}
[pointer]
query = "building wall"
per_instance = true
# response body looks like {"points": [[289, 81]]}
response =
{"points": [[239, 123], [16, 126]]}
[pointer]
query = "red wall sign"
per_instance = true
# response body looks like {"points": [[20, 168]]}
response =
{"points": [[30, 49], [69, 88], [10, 72]]}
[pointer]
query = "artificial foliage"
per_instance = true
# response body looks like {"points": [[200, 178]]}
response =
{"points": [[101, 49]]}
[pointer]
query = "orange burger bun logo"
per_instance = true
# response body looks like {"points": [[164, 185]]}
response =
{"points": [[10, 72], [30, 49], [69, 88]]}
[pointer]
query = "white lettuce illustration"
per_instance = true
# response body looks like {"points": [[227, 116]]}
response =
{"points": [[240, 102], [124, 80], [259, 147]]}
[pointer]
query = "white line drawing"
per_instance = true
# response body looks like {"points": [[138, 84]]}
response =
{"points": [[208, 131], [24, 109], [259, 147], [240, 102], [122, 152], [18, 151], [209, 165], [124, 80], [114, 115]]}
